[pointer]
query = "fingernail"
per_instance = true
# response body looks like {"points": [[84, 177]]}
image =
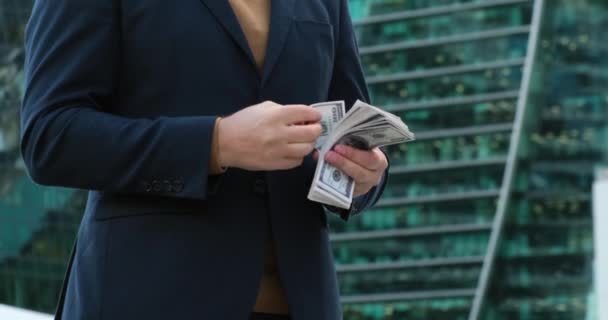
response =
{"points": [[330, 157]]}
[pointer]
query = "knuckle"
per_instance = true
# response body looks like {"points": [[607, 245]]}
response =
{"points": [[290, 153], [357, 153], [345, 151], [316, 113], [339, 161], [381, 156], [315, 130], [304, 152], [266, 141], [378, 160], [378, 157], [350, 171], [268, 154], [384, 163], [310, 147]]}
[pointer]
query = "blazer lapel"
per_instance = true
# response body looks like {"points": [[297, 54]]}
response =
{"points": [[280, 21], [223, 12]]}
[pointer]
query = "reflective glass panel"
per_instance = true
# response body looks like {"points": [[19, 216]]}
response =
{"points": [[449, 86], [477, 211], [415, 279], [453, 309], [459, 116], [461, 148], [447, 55], [440, 182], [408, 248], [459, 22]]}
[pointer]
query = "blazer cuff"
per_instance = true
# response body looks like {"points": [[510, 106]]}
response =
{"points": [[358, 205]]}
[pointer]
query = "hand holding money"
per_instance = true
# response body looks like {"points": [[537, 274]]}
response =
{"points": [[345, 157], [268, 136], [365, 167]]}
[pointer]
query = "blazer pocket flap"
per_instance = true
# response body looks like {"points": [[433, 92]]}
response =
{"points": [[121, 206]]}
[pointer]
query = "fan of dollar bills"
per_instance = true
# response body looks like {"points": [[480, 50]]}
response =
{"points": [[363, 127]]}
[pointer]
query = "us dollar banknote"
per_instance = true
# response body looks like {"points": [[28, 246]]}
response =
{"points": [[331, 113], [364, 127]]}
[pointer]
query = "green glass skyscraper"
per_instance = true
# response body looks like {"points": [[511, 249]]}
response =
{"points": [[486, 216], [453, 71]]}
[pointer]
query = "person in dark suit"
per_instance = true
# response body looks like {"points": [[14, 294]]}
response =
{"points": [[189, 123]]}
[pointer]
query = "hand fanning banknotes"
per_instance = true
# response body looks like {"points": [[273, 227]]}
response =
{"points": [[363, 127]]}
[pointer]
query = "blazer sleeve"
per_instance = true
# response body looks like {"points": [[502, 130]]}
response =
{"points": [[68, 136], [348, 84]]}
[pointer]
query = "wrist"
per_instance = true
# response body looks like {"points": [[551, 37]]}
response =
{"points": [[222, 149]]}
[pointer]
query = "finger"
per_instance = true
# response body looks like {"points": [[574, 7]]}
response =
{"points": [[291, 114], [299, 150], [350, 168], [373, 159], [303, 133], [315, 155]]}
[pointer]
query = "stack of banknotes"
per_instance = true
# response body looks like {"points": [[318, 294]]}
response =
{"points": [[364, 127]]}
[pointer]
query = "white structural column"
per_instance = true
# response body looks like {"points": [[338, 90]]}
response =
{"points": [[511, 167], [600, 225], [12, 313]]}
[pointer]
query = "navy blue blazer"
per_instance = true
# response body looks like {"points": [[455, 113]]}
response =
{"points": [[121, 100]]}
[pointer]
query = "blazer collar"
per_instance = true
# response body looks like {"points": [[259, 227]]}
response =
{"points": [[223, 12], [280, 21]]}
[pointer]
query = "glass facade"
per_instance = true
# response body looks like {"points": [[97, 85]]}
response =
{"points": [[453, 70], [37, 225], [545, 264]]}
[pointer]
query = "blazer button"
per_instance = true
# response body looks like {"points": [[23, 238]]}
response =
{"points": [[157, 186], [167, 186], [178, 186], [259, 187]]}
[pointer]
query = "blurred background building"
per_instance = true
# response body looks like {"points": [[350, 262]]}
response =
{"points": [[488, 215], [37, 225]]}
